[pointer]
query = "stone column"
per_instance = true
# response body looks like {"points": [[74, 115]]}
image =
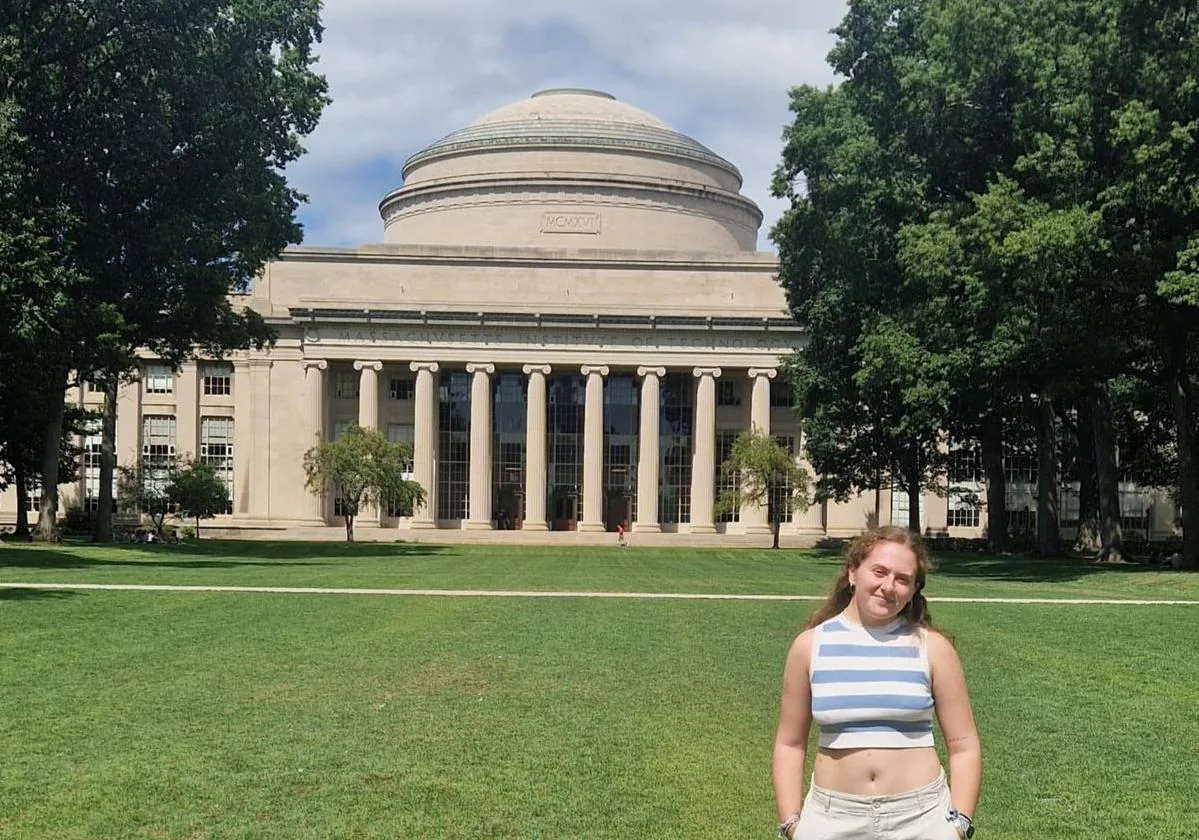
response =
{"points": [[756, 517], [425, 443], [129, 424], [479, 514], [314, 428], [260, 480], [243, 437], [647, 450], [593, 449], [368, 418], [368, 393], [187, 410], [703, 460], [535, 454], [811, 521]]}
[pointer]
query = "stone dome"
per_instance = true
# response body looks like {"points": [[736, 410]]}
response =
{"points": [[571, 168]]}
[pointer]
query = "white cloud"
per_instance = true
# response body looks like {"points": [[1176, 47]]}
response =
{"points": [[402, 74]]}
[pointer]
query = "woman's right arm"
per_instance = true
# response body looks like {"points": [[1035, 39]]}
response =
{"points": [[795, 720]]}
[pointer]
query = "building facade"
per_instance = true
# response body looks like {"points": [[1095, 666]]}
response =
{"points": [[567, 319]]}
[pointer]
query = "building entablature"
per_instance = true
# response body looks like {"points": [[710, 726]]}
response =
{"points": [[516, 338]]}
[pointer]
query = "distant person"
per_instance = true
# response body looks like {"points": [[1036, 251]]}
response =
{"points": [[620, 540], [870, 671]]}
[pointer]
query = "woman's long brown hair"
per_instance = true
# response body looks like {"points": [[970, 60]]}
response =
{"points": [[916, 612]]}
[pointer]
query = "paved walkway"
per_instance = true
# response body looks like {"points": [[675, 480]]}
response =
{"points": [[532, 593]]}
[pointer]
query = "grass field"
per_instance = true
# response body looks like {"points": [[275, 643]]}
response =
{"points": [[219, 715]]}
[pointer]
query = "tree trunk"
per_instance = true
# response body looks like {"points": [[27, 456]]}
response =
{"points": [[108, 434], [197, 529], [1182, 399], [1088, 539], [47, 524], [1049, 542], [1107, 475], [913, 488], [20, 479], [775, 530], [991, 444], [349, 528]]}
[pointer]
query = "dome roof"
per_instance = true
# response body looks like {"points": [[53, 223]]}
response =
{"points": [[571, 117], [570, 167]]}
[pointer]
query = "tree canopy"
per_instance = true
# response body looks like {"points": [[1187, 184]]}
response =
{"points": [[361, 468], [167, 125], [992, 219], [767, 476]]}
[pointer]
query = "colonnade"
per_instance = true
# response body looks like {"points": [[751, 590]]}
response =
{"points": [[480, 514]]}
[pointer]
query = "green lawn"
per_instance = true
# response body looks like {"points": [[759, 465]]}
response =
{"points": [[164, 715], [635, 569]]}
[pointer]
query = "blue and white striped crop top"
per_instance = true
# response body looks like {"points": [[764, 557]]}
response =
{"points": [[871, 686]]}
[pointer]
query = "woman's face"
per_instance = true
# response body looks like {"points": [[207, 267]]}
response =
{"points": [[884, 582]]}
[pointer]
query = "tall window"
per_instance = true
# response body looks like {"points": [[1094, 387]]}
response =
{"points": [[453, 463], [216, 450], [404, 433], [159, 379], [218, 379], [622, 423], [677, 424], [1020, 467], [782, 395], [962, 514], [33, 495], [566, 397], [509, 397], [91, 468], [402, 388], [158, 449], [726, 480], [965, 463], [345, 385], [728, 392], [965, 479], [783, 493]]}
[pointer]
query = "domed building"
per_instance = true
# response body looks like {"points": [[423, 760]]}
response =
{"points": [[567, 319]]}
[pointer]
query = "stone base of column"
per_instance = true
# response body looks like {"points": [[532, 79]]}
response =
{"points": [[529, 525], [758, 529], [647, 528], [472, 525], [703, 529], [423, 525], [810, 530], [592, 527]]}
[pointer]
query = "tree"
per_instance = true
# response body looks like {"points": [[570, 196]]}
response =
{"points": [[988, 183], [143, 490], [362, 467], [168, 125], [768, 476], [875, 398], [196, 491]]}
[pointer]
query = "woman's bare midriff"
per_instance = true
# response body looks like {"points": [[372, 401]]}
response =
{"points": [[876, 772]]}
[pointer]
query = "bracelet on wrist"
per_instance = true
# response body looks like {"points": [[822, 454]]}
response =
{"points": [[788, 825]]}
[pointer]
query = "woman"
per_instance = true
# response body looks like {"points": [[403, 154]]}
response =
{"points": [[871, 671]]}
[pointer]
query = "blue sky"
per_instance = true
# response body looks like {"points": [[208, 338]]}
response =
{"points": [[406, 72]]}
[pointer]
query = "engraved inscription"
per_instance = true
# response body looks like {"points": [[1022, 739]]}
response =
{"points": [[570, 222]]}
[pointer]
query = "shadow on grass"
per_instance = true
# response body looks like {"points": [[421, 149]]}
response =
{"points": [[212, 554], [1020, 568], [19, 594]]}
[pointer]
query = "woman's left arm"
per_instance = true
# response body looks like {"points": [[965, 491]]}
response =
{"points": [[952, 705]]}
